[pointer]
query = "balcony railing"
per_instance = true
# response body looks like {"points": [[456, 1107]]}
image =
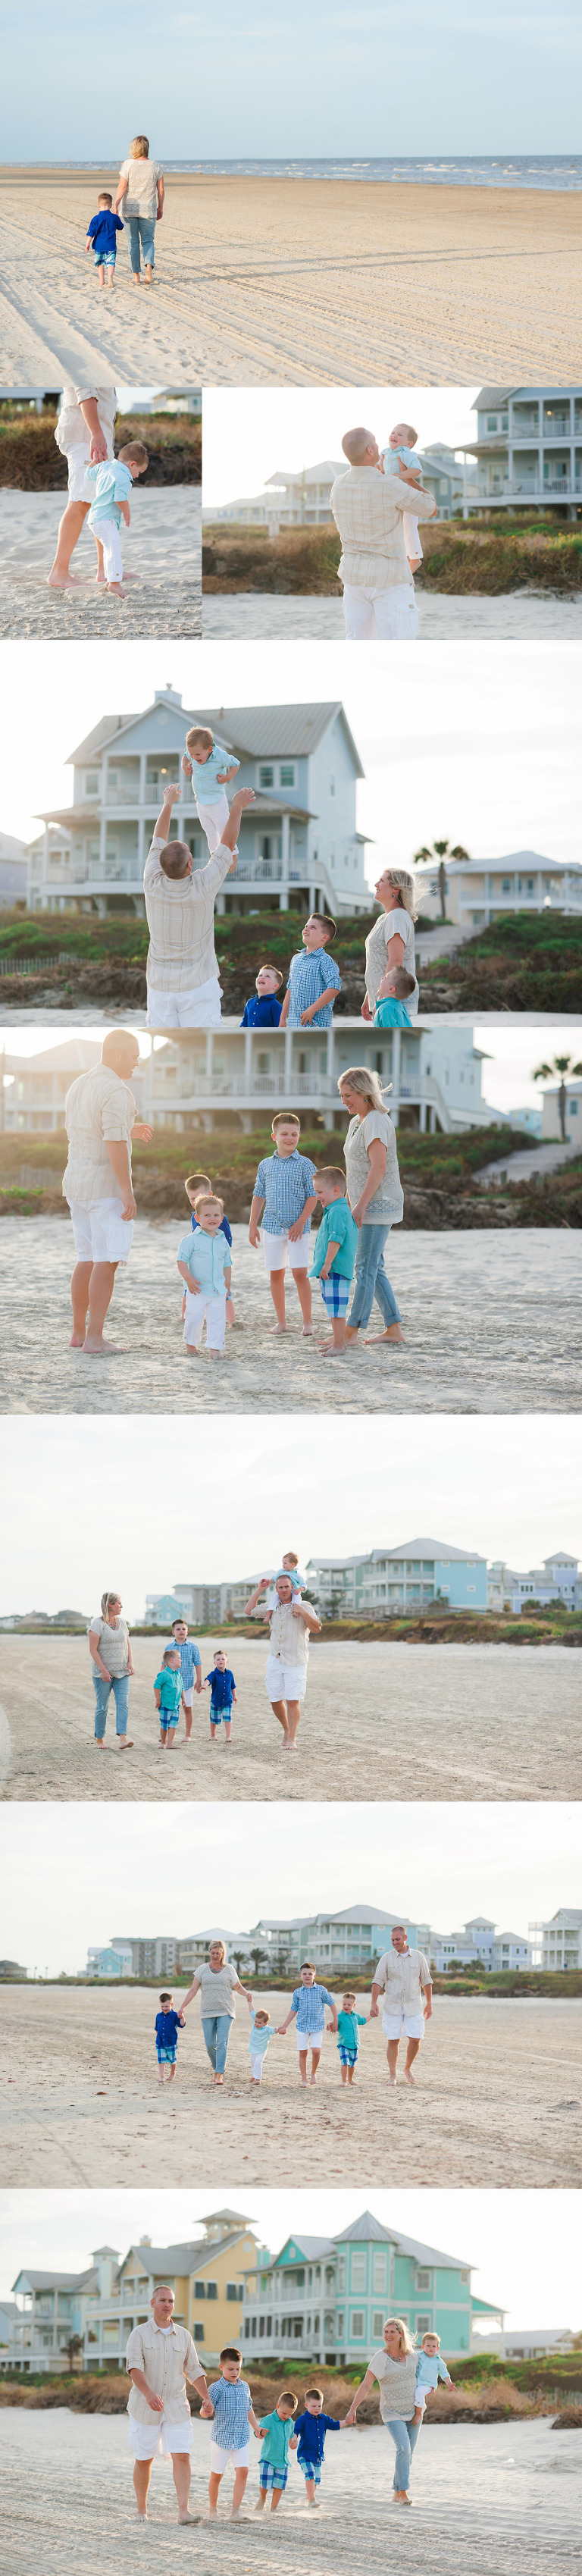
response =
{"points": [[528, 488], [260, 1086]]}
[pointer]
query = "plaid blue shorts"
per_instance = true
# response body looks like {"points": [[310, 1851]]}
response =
{"points": [[217, 1714], [167, 2054], [271, 2476], [311, 2469], [347, 2056], [335, 1292], [104, 259]]}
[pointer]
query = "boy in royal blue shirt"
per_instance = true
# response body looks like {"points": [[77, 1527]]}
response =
{"points": [[264, 1011], [101, 238], [220, 1683], [168, 2023], [308, 2440]]}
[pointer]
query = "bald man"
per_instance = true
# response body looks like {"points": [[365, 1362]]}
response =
{"points": [[101, 1125], [369, 510]]}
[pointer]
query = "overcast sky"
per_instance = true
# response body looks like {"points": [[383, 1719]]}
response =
{"points": [[249, 435], [507, 1074], [478, 748], [497, 2231], [78, 1875], [302, 83], [106, 1512]]}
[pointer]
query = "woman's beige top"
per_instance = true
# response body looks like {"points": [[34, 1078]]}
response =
{"points": [[390, 923], [216, 1985], [113, 1644], [387, 1205], [180, 918], [165, 2359], [289, 1636], [99, 1110], [397, 2384], [142, 189], [368, 509]]}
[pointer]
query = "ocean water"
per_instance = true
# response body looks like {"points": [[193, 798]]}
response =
{"points": [[525, 170]]}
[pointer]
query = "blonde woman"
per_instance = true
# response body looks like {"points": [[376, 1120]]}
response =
{"points": [[216, 1983], [140, 190], [391, 942], [375, 1194], [394, 2368], [113, 1667]]}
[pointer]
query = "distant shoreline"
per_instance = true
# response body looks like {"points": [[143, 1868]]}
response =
{"points": [[561, 174]]}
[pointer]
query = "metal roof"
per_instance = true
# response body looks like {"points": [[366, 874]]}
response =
{"points": [[367, 2227]]}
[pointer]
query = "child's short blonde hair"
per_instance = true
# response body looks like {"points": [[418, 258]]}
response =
{"points": [[261, 2017], [403, 982], [198, 1181], [134, 454], [429, 2337], [330, 1172], [105, 198], [285, 1118], [411, 434], [289, 1553], [199, 734], [208, 1198], [287, 2398]]}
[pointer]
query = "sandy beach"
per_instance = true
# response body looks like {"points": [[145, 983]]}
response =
{"points": [[475, 1309], [522, 1741], [522, 617], [497, 2099], [485, 2496], [162, 550], [296, 281]]}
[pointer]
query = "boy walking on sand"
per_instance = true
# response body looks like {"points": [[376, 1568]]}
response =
{"points": [[333, 1263], [168, 1696], [102, 238], [229, 2401], [220, 1683], [307, 2007], [196, 1182], [276, 2432], [309, 2441], [168, 2023], [111, 485], [349, 2022], [191, 1669], [182, 967], [204, 1266], [259, 2036], [313, 979], [210, 768], [284, 1193]]}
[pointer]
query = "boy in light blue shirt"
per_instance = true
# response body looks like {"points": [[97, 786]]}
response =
{"points": [[313, 979], [430, 2370], [204, 1263], [111, 486], [259, 2036], [210, 768], [393, 458], [393, 993], [333, 1264]]}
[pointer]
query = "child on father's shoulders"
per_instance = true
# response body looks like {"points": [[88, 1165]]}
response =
{"points": [[265, 1590], [334, 1254], [196, 1182], [204, 1264]]}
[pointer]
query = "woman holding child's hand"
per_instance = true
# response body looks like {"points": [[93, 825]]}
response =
{"points": [[113, 1669], [376, 1199]]}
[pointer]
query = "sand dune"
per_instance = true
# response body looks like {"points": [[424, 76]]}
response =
{"points": [[497, 2099], [296, 282], [493, 1722], [162, 551]]}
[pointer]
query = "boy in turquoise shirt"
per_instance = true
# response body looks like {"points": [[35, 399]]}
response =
{"points": [[168, 1696], [349, 2022], [273, 2467], [393, 993], [335, 1253]]}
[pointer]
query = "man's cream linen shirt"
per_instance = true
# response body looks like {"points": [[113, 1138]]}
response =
{"points": [[166, 2360], [368, 510]]}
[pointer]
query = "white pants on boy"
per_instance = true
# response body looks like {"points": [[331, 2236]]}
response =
{"points": [[109, 536], [213, 817], [199, 1305], [257, 2064], [198, 1009]]}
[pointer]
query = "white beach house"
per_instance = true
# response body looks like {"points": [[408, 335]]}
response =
{"points": [[408, 1577], [478, 890], [528, 449], [301, 499], [558, 1943], [558, 1579], [238, 1077]]}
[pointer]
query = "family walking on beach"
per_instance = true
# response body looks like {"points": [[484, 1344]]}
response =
{"points": [[140, 192], [161, 2358], [290, 1622], [402, 1977]]}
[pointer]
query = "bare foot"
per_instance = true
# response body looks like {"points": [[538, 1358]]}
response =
{"points": [[392, 1334], [408, 2078], [332, 1350], [116, 588], [306, 1329], [96, 1349], [60, 581], [76, 1341], [126, 1744], [277, 1328], [190, 2517], [191, 1351]]}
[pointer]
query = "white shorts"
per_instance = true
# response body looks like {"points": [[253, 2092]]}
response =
{"points": [[109, 537], [199, 1009], [77, 462], [188, 1697], [277, 1246], [403, 2025], [370, 613], [101, 1232], [309, 2038], [285, 1681], [219, 2459], [214, 1308], [161, 2435], [213, 817]]}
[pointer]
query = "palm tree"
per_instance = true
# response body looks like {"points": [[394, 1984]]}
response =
{"points": [[72, 2347], [440, 850], [564, 1065]]}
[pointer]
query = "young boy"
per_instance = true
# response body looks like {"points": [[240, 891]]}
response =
{"points": [[312, 974], [284, 1190], [349, 2022], [196, 1182], [430, 2370], [205, 1267], [265, 1589], [393, 994], [229, 2400], [168, 1696], [265, 1011], [191, 1669], [167, 2025], [260, 2034], [276, 2431], [336, 1244], [101, 238], [309, 2441], [307, 2005], [210, 768], [220, 1683], [397, 458], [110, 504]]}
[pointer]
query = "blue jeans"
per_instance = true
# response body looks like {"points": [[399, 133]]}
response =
{"points": [[405, 2436], [119, 1684], [371, 1279], [141, 228], [216, 2028]]}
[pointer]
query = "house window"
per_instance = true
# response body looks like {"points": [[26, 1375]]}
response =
{"points": [[231, 2290], [379, 2270], [198, 2330], [287, 773], [423, 2325], [357, 2323], [211, 2290], [91, 783], [266, 777], [423, 2279], [377, 2321]]}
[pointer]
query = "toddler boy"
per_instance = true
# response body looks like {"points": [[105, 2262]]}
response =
{"points": [[101, 238], [204, 1264], [167, 2025], [393, 994], [265, 1589], [168, 1696], [349, 2022], [220, 1683], [210, 768], [309, 2440], [112, 484], [196, 1182], [398, 458], [311, 975], [430, 2370], [259, 2036], [263, 1010], [276, 2431], [284, 1191], [336, 1244], [229, 2401]]}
